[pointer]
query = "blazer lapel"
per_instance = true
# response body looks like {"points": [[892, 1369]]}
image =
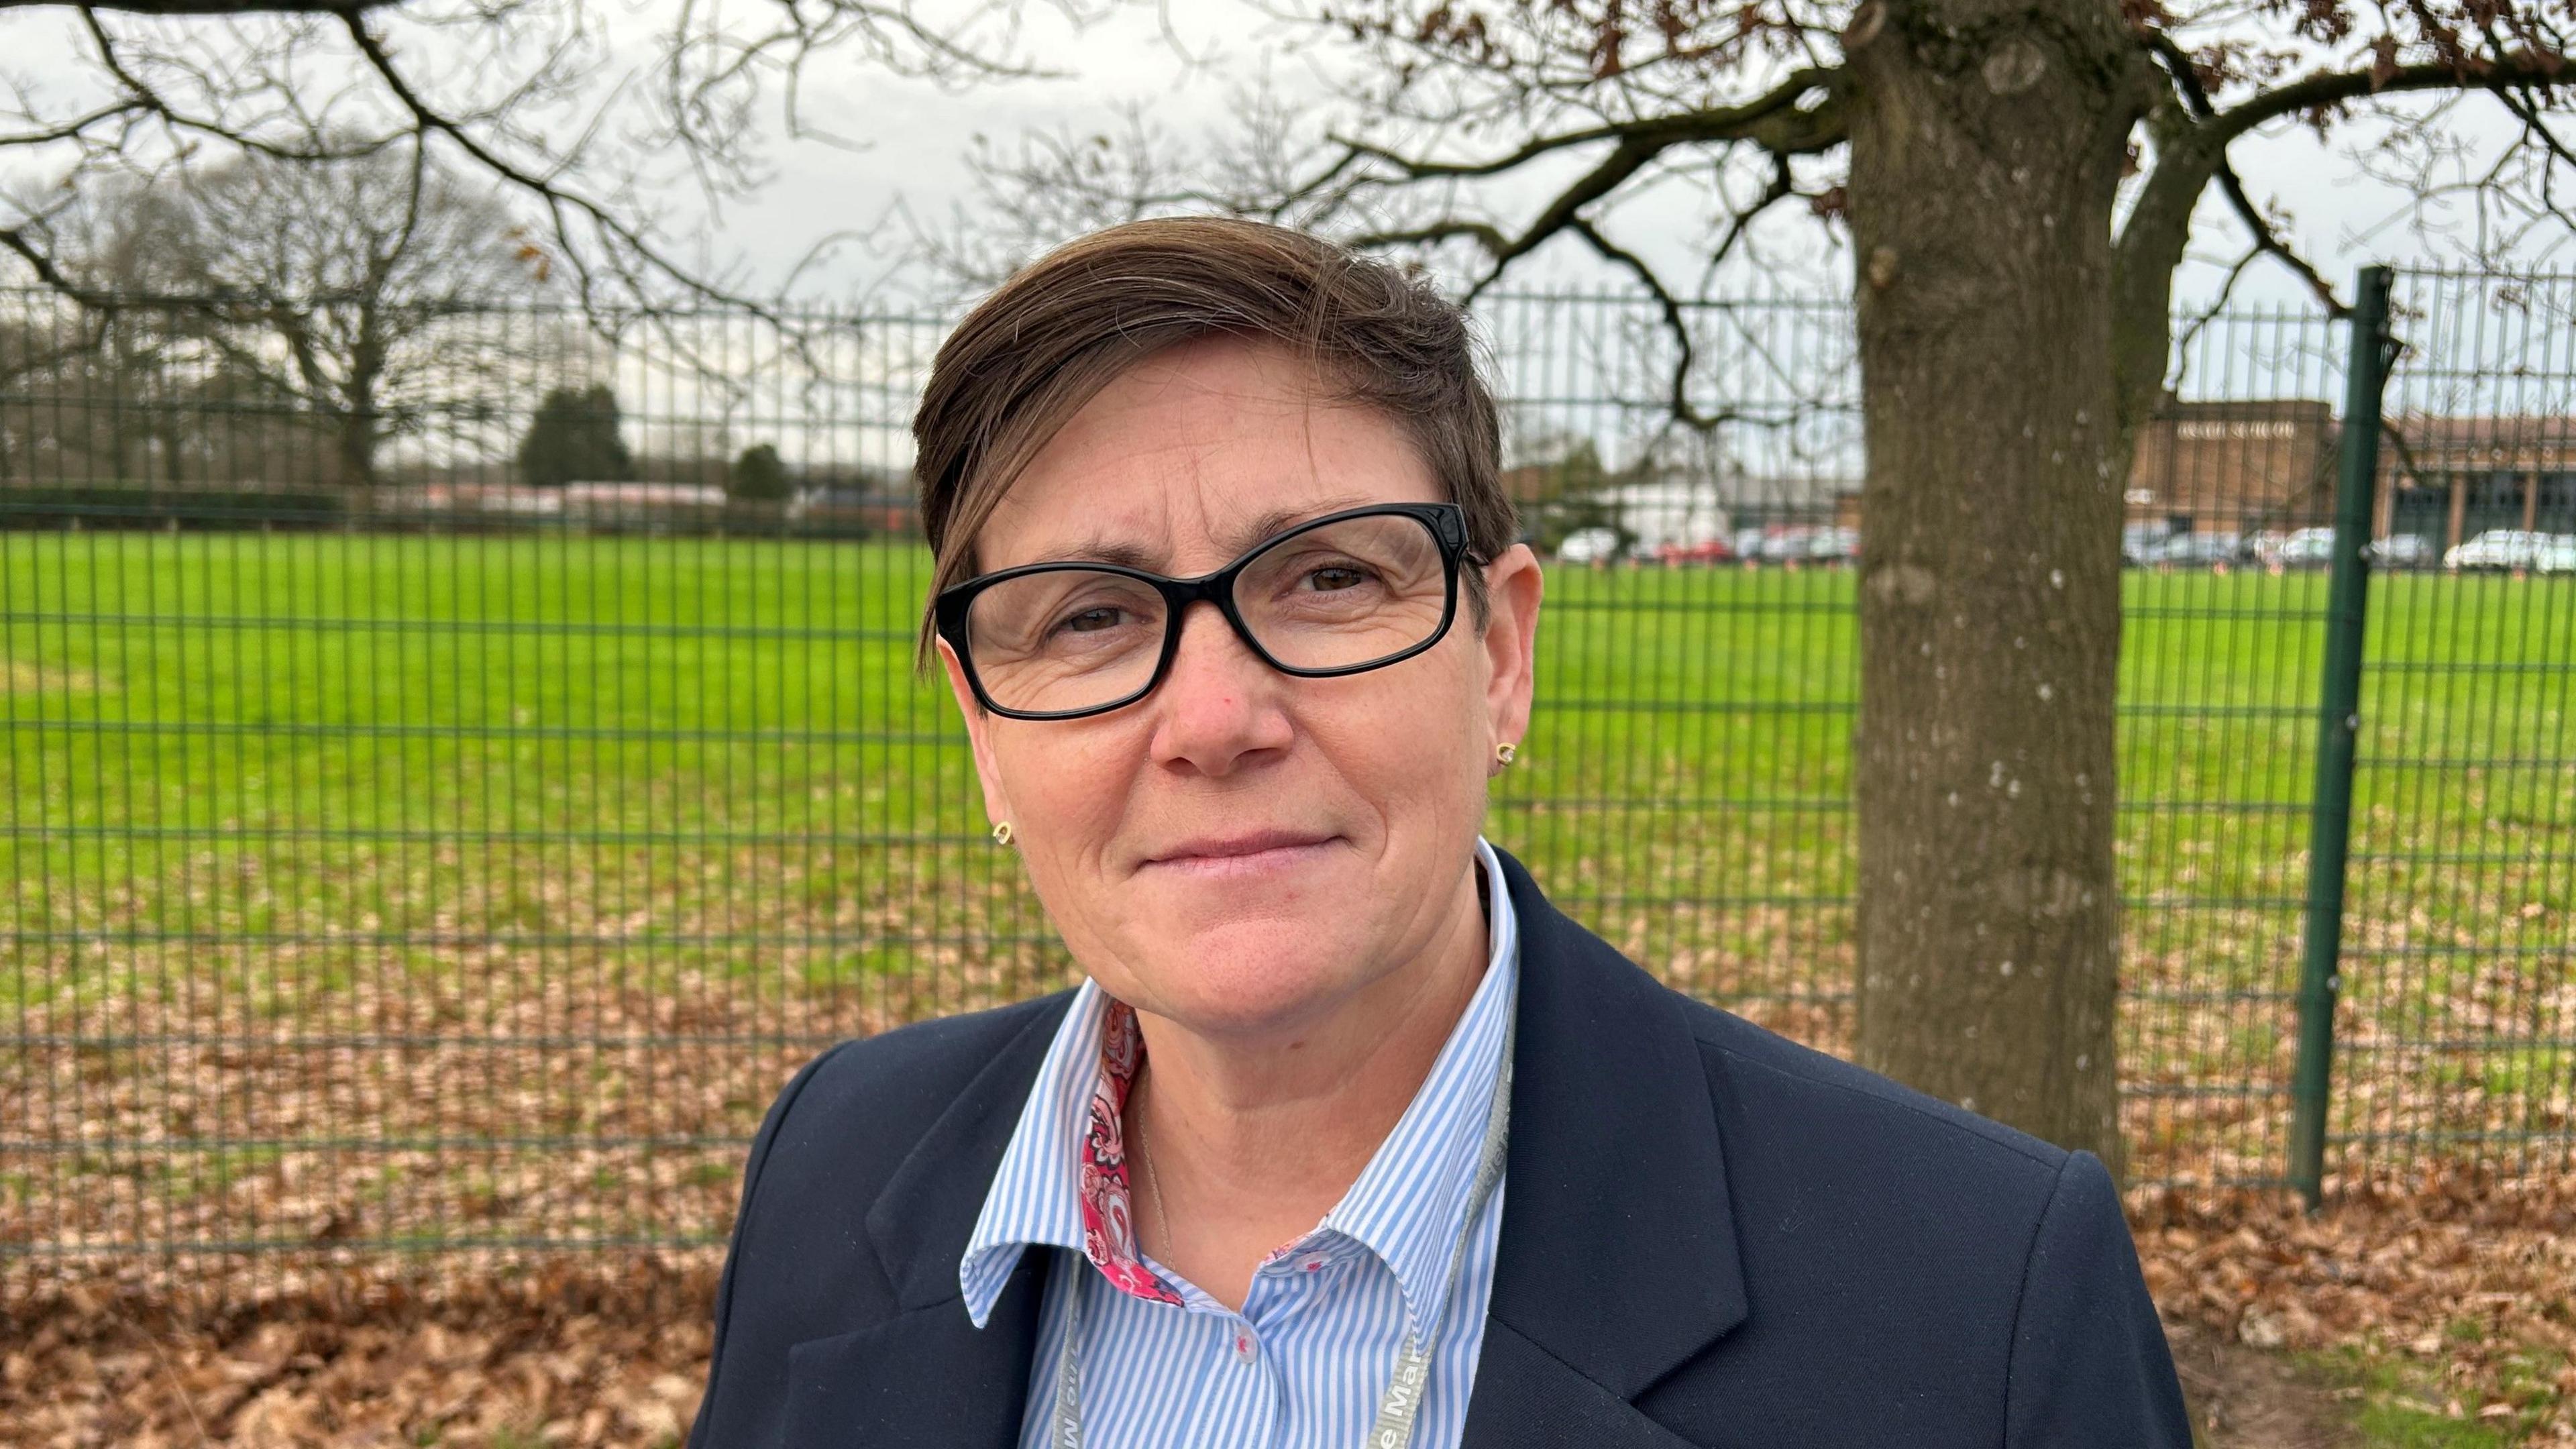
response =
{"points": [[926, 1379], [1525, 1395], [926, 1376], [1618, 1260]]}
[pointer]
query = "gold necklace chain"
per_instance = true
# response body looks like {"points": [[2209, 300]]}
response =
{"points": [[1154, 1185]]}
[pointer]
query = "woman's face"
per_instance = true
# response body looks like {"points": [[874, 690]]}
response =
{"points": [[1242, 851]]}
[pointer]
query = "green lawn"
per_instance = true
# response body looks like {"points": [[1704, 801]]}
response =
{"points": [[393, 809]]}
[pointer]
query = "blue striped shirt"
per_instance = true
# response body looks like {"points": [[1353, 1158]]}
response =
{"points": [[1305, 1362]]}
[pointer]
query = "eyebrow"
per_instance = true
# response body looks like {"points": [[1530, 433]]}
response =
{"points": [[1097, 549]]}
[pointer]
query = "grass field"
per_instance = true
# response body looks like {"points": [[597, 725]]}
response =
{"points": [[405, 889]]}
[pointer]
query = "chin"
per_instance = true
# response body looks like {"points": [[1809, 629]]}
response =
{"points": [[1255, 977]]}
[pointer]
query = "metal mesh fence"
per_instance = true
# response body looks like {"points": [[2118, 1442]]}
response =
{"points": [[2458, 1029], [440, 807]]}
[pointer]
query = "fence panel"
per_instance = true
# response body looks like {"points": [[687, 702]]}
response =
{"points": [[2457, 1032], [2221, 652]]}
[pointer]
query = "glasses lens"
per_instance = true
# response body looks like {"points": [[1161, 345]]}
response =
{"points": [[1347, 594], [1065, 639]]}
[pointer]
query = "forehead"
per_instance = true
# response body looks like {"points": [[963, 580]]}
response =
{"points": [[1196, 453]]}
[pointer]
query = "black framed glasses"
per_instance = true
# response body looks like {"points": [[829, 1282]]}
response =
{"points": [[1347, 592]]}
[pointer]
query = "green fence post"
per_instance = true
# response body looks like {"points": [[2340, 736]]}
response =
{"points": [[2338, 722]]}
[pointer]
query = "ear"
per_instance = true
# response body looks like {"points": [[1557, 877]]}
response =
{"points": [[1512, 588], [979, 736]]}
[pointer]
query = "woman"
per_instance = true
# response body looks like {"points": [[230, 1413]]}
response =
{"points": [[1348, 1138]]}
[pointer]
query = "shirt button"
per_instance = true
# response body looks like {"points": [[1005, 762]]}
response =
{"points": [[1244, 1351]]}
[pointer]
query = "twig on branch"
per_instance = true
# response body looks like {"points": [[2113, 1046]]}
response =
{"points": [[2226, 291], [557, 199], [1685, 356]]}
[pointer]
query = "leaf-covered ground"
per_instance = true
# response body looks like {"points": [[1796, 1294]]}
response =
{"points": [[2439, 1315], [2447, 1297]]}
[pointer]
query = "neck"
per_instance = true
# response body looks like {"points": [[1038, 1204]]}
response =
{"points": [[1252, 1141]]}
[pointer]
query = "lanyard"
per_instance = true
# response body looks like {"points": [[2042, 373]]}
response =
{"points": [[1403, 1397]]}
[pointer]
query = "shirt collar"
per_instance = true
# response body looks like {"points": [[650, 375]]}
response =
{"points": [[1405, 1206], [1035, 1200]]}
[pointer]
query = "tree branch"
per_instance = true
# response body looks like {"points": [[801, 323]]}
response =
{"points": [[2267, 239], [1484, 234], [1564, 212], [15, 240], [2226, 291], [1677, 400], [556, 199], [1772, 120], [209, 7], [2326, 88]]}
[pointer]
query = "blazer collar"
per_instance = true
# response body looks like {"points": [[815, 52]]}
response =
{"points": [[1618, 1255], [925, 1377], [922, 1220]]}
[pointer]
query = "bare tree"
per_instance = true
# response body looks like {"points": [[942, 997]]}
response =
{"points": [[335, 288], [580, 112], [2017, 181]]}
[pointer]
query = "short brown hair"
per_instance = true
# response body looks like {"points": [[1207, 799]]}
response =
{"points": [[1029, 356]]}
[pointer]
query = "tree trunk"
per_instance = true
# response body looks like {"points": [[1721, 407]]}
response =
{"points": [[359, 434], [357, 448], [1987, 138]]}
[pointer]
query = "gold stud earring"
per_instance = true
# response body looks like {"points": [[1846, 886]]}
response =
{"points": [[1002, 833], [1505, 752]]}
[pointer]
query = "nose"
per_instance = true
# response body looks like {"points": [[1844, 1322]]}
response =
{"points": [[1219, 709]]}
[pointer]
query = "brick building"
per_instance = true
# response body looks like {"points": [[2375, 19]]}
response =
{"points": [[2235, 467], [2239, 467], [2450, 479]]}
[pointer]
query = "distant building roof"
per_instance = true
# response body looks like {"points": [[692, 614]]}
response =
{"points": [[2495, 441]]}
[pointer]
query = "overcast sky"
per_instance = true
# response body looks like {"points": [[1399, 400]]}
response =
{"points": [[917, 136]]}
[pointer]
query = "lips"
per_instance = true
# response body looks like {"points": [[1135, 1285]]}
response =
{"points": [[1249, 849]]}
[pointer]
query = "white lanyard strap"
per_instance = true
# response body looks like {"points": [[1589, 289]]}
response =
{"points": [[1402, 1400]]}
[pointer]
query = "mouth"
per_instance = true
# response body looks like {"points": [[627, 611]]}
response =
{"points": [[1252, 853]]}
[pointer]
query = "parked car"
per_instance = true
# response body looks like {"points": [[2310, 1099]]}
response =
{"points": [[2557, 556], [1588, 546], [1706, 551], [2497, 548], [2199, 550], [2399, 551], [2139, 542], [1834, 545], [2309, 548], [1786, 546]]}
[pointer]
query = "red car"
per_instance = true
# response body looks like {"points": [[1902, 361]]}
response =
{"points": [[1708, 551]]}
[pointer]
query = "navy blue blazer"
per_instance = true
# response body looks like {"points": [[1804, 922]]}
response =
{"points": [[1711, 1237]]}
